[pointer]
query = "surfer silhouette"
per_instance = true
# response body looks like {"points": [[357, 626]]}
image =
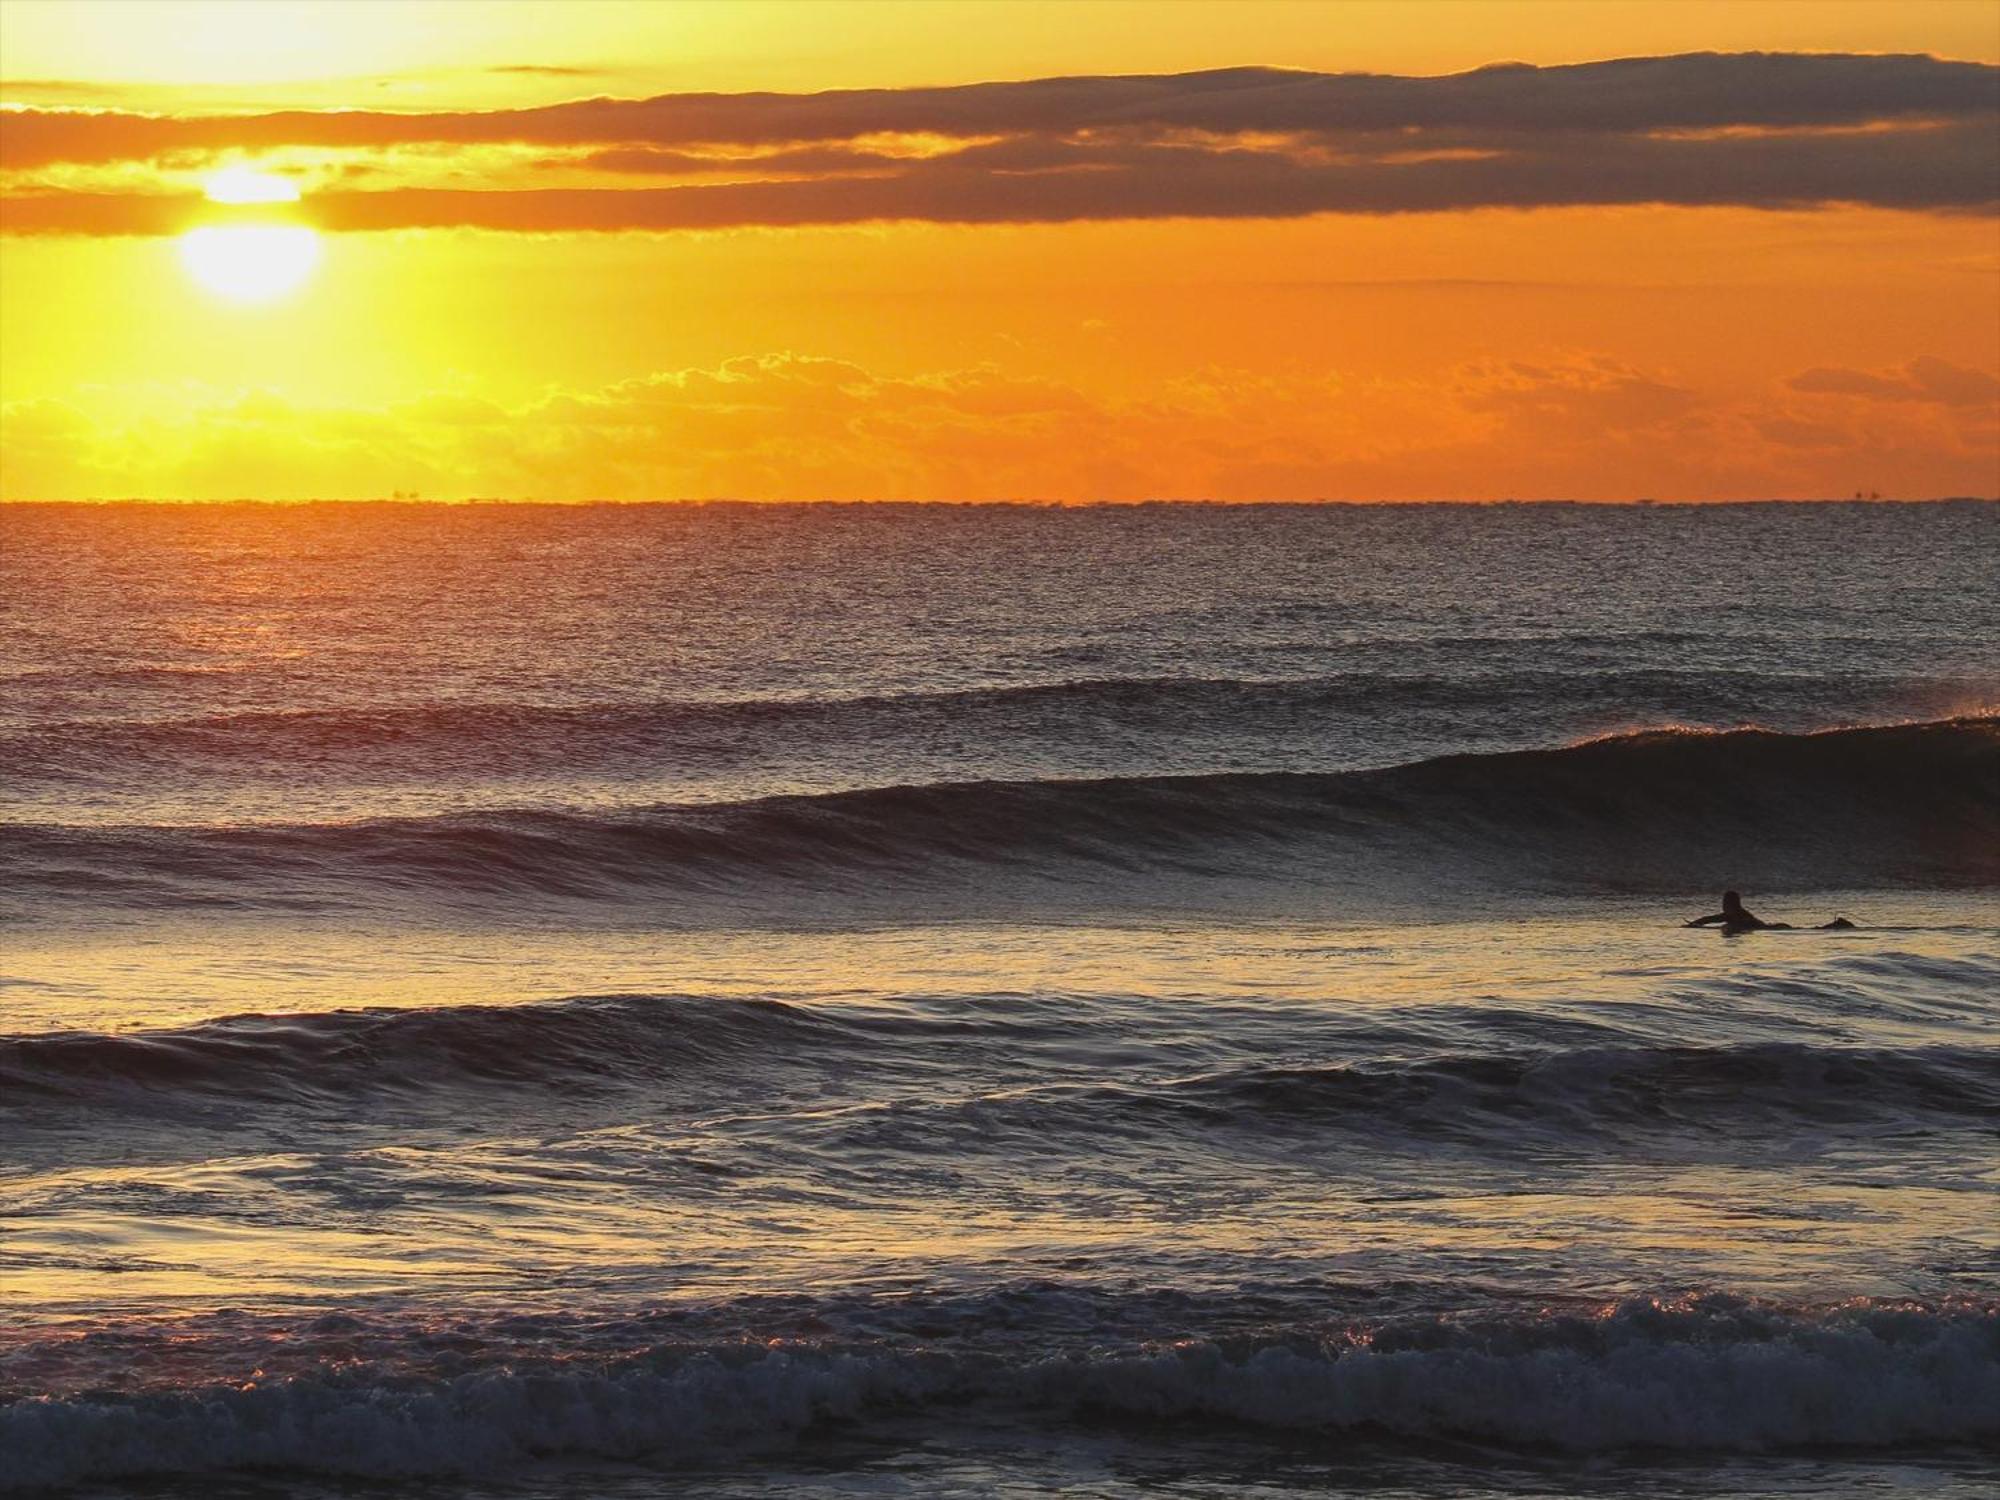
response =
{"points": [[1736, 917]]}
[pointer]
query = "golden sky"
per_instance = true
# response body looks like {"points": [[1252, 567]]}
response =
{"points": [[973, 251]]}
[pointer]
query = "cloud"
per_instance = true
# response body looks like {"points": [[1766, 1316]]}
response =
{"points": [[544, 70], [16, 89], [1794, 433], [1758, 129], [1954, 169], [1926, 379], [1689, 92], [653, 161], [1598, 390], [792, 426]]}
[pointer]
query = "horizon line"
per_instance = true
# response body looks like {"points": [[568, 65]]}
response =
{"points": [[1019, 503]]}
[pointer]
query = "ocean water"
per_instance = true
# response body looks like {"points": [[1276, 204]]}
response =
{"points": [[856, 1001]]}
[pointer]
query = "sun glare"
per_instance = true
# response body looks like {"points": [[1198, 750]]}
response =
{"points": [[247, 185], [250, 262]]}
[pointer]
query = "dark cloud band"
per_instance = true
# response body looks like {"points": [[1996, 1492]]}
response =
{"points": [[1762, 130], [1688, 92]]}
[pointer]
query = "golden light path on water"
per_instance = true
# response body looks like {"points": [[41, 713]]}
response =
{"points": [[185, 974], [1289, 973]]}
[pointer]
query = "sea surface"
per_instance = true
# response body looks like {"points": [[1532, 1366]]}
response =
{"points": [[670, 1001]]}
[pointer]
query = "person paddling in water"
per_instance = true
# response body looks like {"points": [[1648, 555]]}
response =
{"points": [[1736, 917]]}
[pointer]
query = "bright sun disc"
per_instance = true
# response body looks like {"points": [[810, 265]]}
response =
{"points": [[250, 262], [247, 185]]}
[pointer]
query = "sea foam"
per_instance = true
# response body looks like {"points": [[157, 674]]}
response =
{"points": [[1711, 1374]]}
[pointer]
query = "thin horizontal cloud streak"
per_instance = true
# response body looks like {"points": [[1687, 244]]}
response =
{"points": [[1927, 379], [655, 161], [544, 70], [1174, 183], [1756, 130]]}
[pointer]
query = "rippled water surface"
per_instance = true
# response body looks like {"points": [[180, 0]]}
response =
{"points": [[845, 1001]]}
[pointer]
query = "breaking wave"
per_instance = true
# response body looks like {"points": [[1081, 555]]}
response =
{"points": [[1698, 1374]]}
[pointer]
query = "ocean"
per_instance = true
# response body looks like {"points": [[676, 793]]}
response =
{"points": [[650, 1001]]}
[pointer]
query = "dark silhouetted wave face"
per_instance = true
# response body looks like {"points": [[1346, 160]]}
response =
{"points": [[1654, 811]]}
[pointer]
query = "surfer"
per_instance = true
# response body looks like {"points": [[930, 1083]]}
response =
{"points": [[1736, 917]]}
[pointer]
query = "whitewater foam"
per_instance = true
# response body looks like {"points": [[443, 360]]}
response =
{"points": [[1700, 1375]]}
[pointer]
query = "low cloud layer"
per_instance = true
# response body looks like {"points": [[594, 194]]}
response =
{"points": [[1927, 379], [787, 426], [1760, 130]]}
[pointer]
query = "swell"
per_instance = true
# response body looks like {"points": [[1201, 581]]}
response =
{"points": [[1707, 1374], [589, 1045], [1584, 1090], [335, 1055], [1651, 811], [498, 738]]}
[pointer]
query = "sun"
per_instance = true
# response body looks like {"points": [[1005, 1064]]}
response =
{"points": [[248, 185], [250, 262]]}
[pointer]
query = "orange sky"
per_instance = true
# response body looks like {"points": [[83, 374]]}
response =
{"points": [[562, 252]]}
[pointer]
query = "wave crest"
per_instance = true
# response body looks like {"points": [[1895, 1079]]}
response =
{"points": [[1571, 1087], [1656, 810], [1698, 1374], [578, 1043]]}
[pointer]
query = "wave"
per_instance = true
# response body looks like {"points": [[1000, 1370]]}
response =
{"points": [[1657, 1103], [1622, 1089], [499, 738], [1668, 810], [574, 1043], [1698, 1374], [1571, 1087]]}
